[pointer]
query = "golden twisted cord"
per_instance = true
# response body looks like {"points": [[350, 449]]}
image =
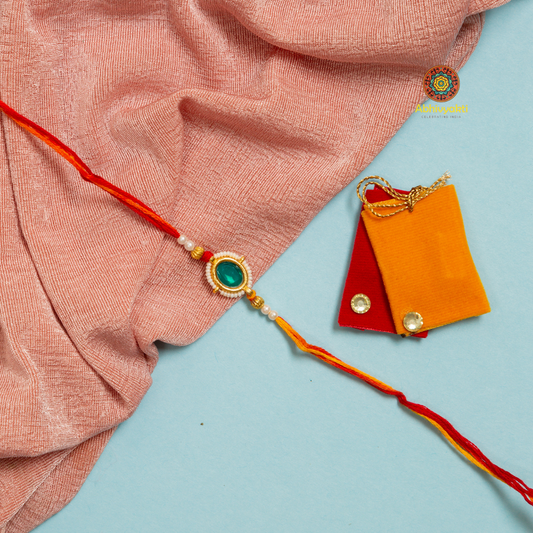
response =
{"points": [[403, 201]]}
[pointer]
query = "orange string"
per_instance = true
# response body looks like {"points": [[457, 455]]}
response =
{"points": [[458, 441], [64, 151]]}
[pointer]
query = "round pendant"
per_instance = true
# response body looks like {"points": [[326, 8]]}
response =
{"points": [[229, 274]]}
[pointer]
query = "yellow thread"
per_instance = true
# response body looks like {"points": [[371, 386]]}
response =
{"points": [[456, 446], [403, 201], [302, 344]]}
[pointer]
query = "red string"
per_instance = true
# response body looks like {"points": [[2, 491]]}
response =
{"points": [[463, 444], [122, 196]]}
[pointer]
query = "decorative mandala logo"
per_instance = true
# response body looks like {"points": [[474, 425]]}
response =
{"points": [[441, 83]]}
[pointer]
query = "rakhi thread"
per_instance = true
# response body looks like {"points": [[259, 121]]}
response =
{"points": [[456, 439], [64, 151], [403, 201]]}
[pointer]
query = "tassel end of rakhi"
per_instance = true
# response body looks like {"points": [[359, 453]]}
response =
{"points": [[466, 448]]}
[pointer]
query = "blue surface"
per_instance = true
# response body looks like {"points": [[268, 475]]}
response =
{"points": [[289, 445]]}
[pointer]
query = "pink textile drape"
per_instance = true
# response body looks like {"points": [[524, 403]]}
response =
{"points": [[236, 120]]}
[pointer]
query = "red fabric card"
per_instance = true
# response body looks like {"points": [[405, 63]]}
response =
{"points": [[364, 277]]}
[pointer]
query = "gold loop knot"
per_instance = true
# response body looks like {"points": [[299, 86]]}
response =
{"points": [[403, 201]]}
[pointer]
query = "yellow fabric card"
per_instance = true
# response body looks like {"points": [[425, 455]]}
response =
{"points": [[425, 262]]}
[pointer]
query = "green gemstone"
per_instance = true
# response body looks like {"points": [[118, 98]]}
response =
{"points": [[229, 274]]}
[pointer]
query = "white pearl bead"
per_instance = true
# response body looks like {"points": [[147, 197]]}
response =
{"points": [[189, 246], [272, 315], [182, 239], [265, 309]]}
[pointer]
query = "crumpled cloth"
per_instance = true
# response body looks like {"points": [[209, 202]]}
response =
{"points": [[236, 120]]}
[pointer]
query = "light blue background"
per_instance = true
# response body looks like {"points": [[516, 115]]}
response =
{"points": [[290, 445]]}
